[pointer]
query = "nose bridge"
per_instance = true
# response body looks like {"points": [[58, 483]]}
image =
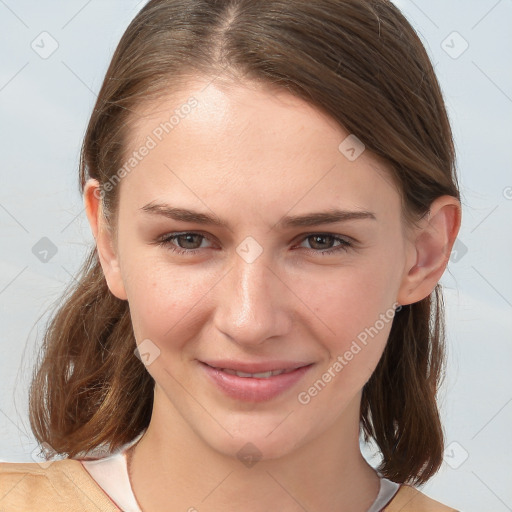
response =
{"points": [[250, 305]]}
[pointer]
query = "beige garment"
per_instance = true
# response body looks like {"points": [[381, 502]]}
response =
{"points": [[64, 486]]}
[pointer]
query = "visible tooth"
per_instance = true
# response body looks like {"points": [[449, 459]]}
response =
{"points": [[244, 374], [261, 375]]}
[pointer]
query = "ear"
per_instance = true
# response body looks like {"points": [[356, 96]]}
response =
{"points": [[104, 243], [430, 247]]}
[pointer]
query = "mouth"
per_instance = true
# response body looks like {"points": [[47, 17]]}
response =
{"points": [[254, 386], [258, 375]]}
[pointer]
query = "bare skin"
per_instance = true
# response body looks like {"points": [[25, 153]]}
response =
{"points": [[251, 156]]}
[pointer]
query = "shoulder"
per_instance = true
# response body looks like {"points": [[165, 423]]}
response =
{"points": [[55, 486], [410, 499]]}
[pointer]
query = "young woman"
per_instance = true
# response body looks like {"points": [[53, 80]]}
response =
{"points": [[272, 192]]}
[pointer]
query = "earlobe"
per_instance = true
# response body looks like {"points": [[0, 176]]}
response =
{"points": [[432, 245], [105, 246]]}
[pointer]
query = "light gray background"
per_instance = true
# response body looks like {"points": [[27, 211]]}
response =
{"points": [[44, 107]]}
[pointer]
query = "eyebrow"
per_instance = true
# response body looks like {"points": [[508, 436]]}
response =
{"points": [[310, 219]]}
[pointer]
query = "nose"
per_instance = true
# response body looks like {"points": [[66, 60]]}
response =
{"points": [[253, 303]]}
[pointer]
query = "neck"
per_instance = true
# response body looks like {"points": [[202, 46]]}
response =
{"points": [[171, 468]]}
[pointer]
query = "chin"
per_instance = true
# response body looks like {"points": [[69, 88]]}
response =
{"points": [[255, 444]]}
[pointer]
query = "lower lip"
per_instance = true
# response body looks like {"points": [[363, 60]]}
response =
{"points": [[253, 389]]}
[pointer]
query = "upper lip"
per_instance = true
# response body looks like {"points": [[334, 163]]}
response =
{"points": [[260, 367]]}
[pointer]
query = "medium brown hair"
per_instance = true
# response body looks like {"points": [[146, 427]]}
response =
{"points": [[362, 63]]}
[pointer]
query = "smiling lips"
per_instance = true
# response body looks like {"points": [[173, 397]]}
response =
{"points": [[259, 375], [256, 382]]}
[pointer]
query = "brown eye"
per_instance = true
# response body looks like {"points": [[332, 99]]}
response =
{"points": [[323, 243], [189, 240], [182, 243]]}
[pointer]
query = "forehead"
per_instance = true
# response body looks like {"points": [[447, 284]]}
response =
{"points": [[220, 140], [210, 109]]}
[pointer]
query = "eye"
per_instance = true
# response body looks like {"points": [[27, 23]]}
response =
{"points": [[187, 242], [322, 243]]}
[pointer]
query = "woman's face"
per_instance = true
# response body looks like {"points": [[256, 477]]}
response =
{"points": [[276, 282]]}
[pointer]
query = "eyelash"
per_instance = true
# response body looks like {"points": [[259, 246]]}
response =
{"points": [[166, 242]]}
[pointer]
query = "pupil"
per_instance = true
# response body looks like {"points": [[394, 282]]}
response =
{"points": [[322, 239], [189, 240]]}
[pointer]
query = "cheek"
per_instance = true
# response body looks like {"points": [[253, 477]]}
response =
{"points": [[164, 300], [354, 317], [353, 309], [347, 300]]}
